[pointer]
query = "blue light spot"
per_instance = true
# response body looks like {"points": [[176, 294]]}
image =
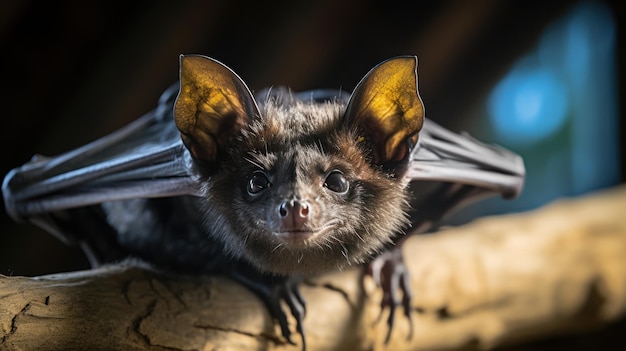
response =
{"points": [[528, 105], [558, 106]]}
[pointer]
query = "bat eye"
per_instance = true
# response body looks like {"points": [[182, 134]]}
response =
{"points": [[258, 182], [336, 182]]}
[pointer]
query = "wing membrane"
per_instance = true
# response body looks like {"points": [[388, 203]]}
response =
{"points": [[145, 159], [448, 170]]}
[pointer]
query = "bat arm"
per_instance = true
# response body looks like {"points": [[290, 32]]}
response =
{"points": [[445, 156], [147, 174], [507, 185], [471, 148], [95, 194], [119, 167]]}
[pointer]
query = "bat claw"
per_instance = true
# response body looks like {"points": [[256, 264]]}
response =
{"points": [[273, 290], [390, 274]]}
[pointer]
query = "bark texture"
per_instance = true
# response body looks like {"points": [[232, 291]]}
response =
{"points": [[493, 282]]}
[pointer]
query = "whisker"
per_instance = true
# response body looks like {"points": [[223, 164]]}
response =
{"points": [[277, 247], [254, 163], [320, 147], [359, 236], [344, 252]]}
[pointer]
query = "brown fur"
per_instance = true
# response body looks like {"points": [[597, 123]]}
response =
{"points": [[297, 144]]}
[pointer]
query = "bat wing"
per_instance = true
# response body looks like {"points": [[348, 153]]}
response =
{"points": [[145, 159], [140, 160], [448, 170]]}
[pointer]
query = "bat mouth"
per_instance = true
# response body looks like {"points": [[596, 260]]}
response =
{"points": [[297, 237]]}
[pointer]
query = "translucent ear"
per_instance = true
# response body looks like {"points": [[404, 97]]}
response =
{"points": [[386, 107], [212, 105]]}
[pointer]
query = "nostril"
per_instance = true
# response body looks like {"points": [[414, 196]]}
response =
{"points": [[304, 210], [293, 215]]}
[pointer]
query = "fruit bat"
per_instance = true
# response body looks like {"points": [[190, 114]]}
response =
{"points": [[266, 188]]}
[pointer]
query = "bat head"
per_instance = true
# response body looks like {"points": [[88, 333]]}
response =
{"points": [[299, 186]]}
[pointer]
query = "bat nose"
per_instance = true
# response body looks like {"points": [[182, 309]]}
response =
{"points": [[293, 215]]}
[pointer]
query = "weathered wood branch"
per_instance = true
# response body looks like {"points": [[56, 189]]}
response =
{"points": [[495, 281]]}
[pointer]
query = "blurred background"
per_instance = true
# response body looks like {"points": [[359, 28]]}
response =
{"points": [[542, 78]]}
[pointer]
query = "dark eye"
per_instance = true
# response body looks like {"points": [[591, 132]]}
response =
{"points": [[336, 182], [258, 182]]}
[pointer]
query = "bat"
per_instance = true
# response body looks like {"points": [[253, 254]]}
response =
{"points": [[267, 188]]}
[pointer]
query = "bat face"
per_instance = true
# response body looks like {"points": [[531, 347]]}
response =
{"points": [[297, 186], [300, 194]]}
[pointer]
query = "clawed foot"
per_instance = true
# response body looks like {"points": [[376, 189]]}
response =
{"points": [[389, 272], [273, 290]]}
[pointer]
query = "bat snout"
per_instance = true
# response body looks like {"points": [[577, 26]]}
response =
{"points": [[293, 215]]}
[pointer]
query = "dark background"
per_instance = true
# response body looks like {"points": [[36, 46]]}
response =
{"points": [[73, 71]]}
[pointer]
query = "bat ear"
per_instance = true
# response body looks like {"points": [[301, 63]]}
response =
{"points": [[387, 109], [213, 104]]}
